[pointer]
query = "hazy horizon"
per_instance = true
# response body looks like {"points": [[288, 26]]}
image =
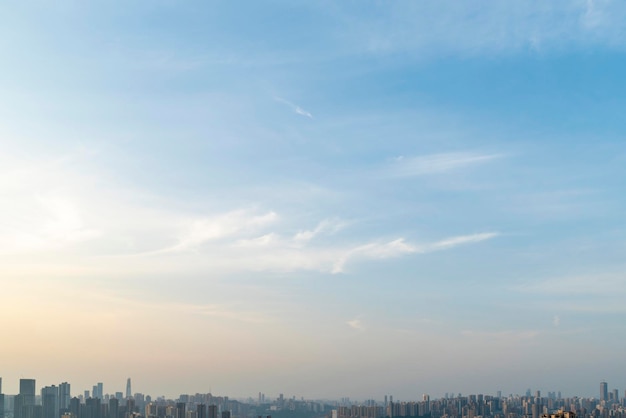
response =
{"points": [[321, 199], [270, 397]]}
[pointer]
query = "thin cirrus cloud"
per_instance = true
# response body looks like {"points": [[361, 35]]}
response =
{"points": [[297, 109], [400, 247], [436, 163], [243, 240], [201, 231]]}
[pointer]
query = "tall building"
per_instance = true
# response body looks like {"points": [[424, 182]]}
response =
{"points": [[201, 411], [128, 391], [130, 407], [98, 391], [92, 408], [75, 408], [64, 397], [50, 402], [212, 411], [27, 389], [114, 406], [604, 391], [180, 410], [25, 399]]}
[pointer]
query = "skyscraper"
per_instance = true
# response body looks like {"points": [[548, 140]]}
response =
{"points": [[50, 402], [128, 391], [180, 410], [114, 406], [604, 391], [25, 399], [64, 397], [75, 408], [212, 411], [201, 411], [92, 408]]}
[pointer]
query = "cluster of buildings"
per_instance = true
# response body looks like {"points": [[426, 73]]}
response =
{"points": [[56, 401], [608, 405]]}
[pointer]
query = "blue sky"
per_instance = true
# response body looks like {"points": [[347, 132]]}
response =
{"points": [[350, 198]]}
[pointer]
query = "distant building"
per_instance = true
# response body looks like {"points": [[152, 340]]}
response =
{"points": [[25, 400], [604, 391], [64, 397], [212, 411], [180, 410], [50, 402], [201, 411]]}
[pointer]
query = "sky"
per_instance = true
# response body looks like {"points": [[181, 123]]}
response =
{"points": [[321, 199]]}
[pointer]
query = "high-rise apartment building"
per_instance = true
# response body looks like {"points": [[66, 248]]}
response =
{"points": [[180, 410], [92, 408], [50, 402], [64, 397], [201, 411], [75, 408], [212, 411], [114, 406], [604, 391], [98, 391], [25, 400]]}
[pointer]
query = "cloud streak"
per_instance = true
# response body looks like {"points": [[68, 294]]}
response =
{"points": [[399, 247], [297, 109], [436, 163]]}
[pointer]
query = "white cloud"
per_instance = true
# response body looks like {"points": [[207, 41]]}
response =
{"points": [[55, 209], [462, 239], [400, 247], [201, 231], [356, 324], [326, 226]]}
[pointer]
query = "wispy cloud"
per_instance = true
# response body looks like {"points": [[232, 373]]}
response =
{"points": [[436, 163], [297, 109], [462, 239], [400, 247], [328, 226], [201, 231]]}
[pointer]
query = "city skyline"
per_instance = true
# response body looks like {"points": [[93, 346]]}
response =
{"points": [[29, 386], [347, 197]]}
